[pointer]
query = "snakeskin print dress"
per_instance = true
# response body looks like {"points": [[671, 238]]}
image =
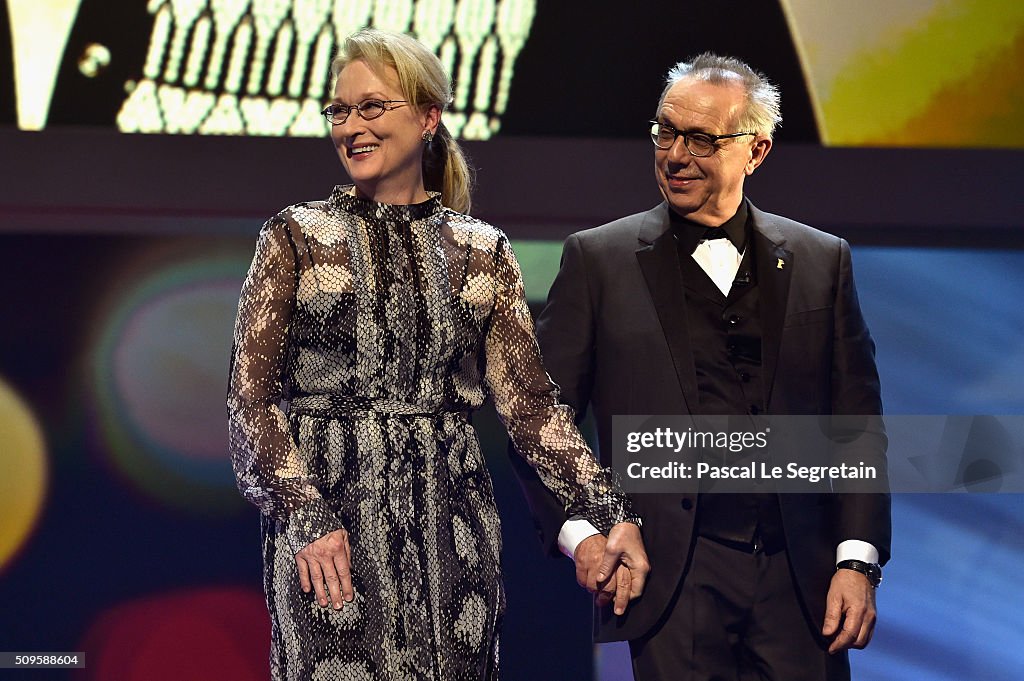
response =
{"points": [[365, 334]]}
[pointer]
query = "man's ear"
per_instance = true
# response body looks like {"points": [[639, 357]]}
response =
{"points": [[758, 152]]}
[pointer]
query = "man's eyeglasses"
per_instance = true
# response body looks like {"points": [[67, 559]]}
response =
{"points": [[697, 143], [368, 109]]}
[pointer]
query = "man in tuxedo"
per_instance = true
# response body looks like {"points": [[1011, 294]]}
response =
{"points": [[706, 305]]}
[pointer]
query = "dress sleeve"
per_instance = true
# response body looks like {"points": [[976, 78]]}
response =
{"points": [[541, 429], [269, 468]]}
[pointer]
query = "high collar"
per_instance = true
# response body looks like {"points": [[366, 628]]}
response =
{"points": [[689, 234], [344, 197]]}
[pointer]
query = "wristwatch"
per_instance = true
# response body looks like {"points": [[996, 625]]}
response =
{"points": [[873, 571]]}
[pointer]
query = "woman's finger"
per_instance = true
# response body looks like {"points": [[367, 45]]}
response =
{"points": [[303, 574], [344, 570], [316, 575], [622, 589]]}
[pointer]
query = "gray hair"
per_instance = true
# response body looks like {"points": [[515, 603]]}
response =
{"points": [[762, 113]]}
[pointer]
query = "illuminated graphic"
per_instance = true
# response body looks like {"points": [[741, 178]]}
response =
{"points": [[206, 633], [22, 472], [262, 67], [40, 29], [160, 373], [933, 73]]}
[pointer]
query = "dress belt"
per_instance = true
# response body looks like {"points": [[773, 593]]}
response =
{"points": [[347, 407]]}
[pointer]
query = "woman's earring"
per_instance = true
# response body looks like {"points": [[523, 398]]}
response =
{"points": [[427, 137]]}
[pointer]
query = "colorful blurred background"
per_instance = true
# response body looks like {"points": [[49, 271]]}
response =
{"points": [[122, 534]]}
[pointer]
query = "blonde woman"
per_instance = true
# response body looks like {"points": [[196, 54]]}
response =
{"points": [[382, 317]]}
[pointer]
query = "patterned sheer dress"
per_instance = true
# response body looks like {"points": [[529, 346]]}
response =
{"points": [[365, 334]]}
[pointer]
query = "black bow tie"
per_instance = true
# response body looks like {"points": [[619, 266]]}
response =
{"points": [[714, 233]]}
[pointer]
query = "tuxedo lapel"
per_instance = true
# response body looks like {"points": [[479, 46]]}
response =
{"points": [[659, 262], [774, 272]]}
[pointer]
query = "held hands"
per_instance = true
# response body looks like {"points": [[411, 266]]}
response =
{"points": [[851, 600], [613, 568], [328, 561]]}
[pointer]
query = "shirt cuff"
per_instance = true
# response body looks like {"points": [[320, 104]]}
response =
{"points": [[308, 523], [573, 532], [851, 549]]}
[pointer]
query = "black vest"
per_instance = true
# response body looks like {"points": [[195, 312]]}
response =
{"points": [[725, 334]]}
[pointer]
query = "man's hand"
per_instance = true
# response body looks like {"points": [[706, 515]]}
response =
{"points": [[851, 602], [328, 561], [615, 568], [617, 589], [588, 556]]}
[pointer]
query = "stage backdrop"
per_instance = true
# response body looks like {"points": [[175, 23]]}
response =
{"points": [[123, 254]]}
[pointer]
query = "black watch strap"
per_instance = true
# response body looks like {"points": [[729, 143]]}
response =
{"points": [[870, 570]]}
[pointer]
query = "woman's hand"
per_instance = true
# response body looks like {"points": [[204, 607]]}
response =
{"points": [[624, 565], [328, 561]]}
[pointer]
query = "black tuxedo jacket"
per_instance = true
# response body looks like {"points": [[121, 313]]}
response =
{"points": [[614, 338]]}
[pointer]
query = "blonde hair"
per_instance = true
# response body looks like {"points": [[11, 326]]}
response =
{"points": [[424, 83]]}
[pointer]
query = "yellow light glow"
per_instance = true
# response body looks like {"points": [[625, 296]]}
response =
{"points": [[22, 472], [934, 73]]}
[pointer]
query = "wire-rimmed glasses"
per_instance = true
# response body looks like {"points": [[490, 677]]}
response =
{"points": [[697, 143], [368, 109]]}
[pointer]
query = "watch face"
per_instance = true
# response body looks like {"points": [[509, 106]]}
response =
{"points": [[875, 575], [873, 572]]}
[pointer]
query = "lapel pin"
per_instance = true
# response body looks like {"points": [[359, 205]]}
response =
{"points": [[780, 264]]}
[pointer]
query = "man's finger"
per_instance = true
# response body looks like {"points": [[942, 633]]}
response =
{"points": [[866, 630], [590, 581], [593, 583], [605, 592], [847, 635], [582, 576], [831, 624], [850, 630], [622, 589]]}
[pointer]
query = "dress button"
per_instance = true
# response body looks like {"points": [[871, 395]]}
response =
{"points": [[745, 377], [755, 410], [687, 504], [734, 320]]}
